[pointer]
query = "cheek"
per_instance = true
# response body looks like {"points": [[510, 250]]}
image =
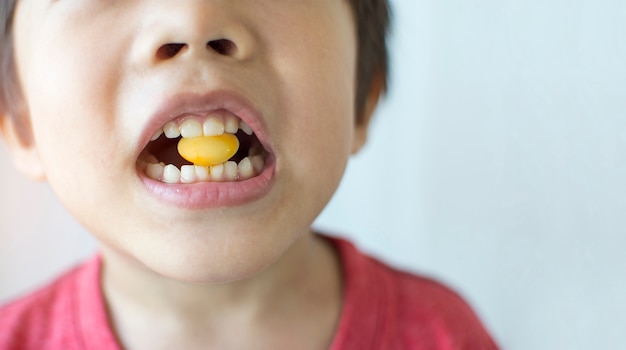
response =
{"points": [[326, 133], [70, 89], [73, 130], [320, 132], [69, 133], [317, 83], [323, 114], [318, 80]]}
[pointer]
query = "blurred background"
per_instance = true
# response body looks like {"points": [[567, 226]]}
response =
{"points": [[496, 164]]}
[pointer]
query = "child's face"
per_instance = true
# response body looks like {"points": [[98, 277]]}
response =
{"points": [[99, 81]]}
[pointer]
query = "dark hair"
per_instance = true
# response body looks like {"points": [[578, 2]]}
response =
{"points": [[10, 94], [372, 19]]}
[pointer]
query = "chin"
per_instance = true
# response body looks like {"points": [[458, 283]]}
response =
{"points": [[211, 263]]}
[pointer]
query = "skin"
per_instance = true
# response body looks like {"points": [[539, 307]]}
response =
{"points": [[226, 277]]}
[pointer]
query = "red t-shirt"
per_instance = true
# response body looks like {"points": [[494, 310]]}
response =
{"points": [[382, 309]]}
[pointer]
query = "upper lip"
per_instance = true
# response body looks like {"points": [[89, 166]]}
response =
{"points": [[193, 103]]}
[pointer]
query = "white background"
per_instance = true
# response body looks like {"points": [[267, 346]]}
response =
{"points": [[497, 164]]}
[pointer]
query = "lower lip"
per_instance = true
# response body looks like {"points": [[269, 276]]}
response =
{"points": [[207, 195]]}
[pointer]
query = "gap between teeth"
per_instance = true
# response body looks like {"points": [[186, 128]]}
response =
{"points": [[187, 174], [213, 125]]}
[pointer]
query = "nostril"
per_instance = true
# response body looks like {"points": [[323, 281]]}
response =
{"points": [[222, 46], [168, 51]]}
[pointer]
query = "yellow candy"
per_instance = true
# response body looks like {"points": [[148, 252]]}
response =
{"points": [[208, 150]]}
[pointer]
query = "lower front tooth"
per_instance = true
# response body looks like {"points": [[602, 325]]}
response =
{"points": [[231, 170], [188, 174], [216, 172], [202, 173], [171, 174], [246, 170]]}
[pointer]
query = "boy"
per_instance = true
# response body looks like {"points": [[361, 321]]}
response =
{"points": [[99, 96]]}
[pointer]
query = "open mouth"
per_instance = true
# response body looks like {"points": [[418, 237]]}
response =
{"points": [[164, 160]]}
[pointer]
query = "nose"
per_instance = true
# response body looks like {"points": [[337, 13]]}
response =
{"points": [[174, 30], [223, 47]]}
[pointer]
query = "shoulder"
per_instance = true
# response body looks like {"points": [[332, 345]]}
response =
{"points": [[412, 311], [43, 317], [431, 298], [437, 310]]}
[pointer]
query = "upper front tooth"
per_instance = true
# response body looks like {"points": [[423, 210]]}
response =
{"points": [[213, 126], [232, 125], [191, 128], [245, 128], [202, 172], [171, 130]]}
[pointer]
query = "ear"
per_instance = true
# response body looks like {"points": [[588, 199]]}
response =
{"points": [[22, 149], [362, 125]]}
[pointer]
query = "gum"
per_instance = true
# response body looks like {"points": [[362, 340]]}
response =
{"points": [[208, 150]]}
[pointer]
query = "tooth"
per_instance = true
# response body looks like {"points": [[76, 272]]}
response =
{"points": [[202, 172], [245, 127], [216, 172], [231, 170], [232, 125], [154, 171], [258, 163], [171, 130], [254, 151], [157, 134], [171, 174], [246, 170], [191, 128], [187, 174], [213, 126]]}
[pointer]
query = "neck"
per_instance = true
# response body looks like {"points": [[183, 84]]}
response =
{"points": [[304, 281]]}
